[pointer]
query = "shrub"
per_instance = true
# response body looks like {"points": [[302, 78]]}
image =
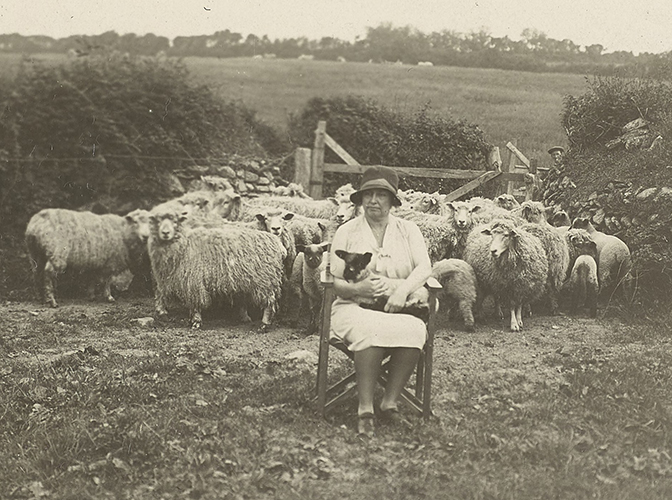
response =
{"points": [[375, 135], [112, 126]]}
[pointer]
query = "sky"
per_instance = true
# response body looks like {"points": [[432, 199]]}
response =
{"points": [[630, 25]]}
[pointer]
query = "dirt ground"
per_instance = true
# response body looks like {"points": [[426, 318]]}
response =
{"points": [[492, 352]]}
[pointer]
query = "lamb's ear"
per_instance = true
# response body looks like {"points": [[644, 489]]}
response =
{"points": [[366, 258], [342, 254], [300, 248]]}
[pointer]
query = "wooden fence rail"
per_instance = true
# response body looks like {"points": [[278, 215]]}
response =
{"points": [[310, 168]]}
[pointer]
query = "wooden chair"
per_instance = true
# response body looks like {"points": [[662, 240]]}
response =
{"points": [[328, 396]]}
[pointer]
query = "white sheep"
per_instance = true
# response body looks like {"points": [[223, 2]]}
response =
{"points": [[430, 203], [458, 280], [274, 221], [198, 265], [438, 231], [510, 263], [103, 245], [506, 201], [583, 286], [305, 280], [614, 262], [322, 209]]}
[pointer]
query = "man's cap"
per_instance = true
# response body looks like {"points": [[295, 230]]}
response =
{"points": [[556, 148], [378, 177]]}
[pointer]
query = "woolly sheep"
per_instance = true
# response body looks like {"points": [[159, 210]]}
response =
{"points": [[506, 201], [197, 265], [431, 204], [305, 280], [459, 284], [324, 209], [225, 204], [583, 285], [557, 254], [438, 231], [105, 245], [309, 230], [274, 221], [508, 262], [614, 262]]}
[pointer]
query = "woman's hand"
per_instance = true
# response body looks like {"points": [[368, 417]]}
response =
{"points": [[396, 301], [373, 286]]}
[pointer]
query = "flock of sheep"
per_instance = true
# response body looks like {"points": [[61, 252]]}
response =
{"points": [[263, 256]]}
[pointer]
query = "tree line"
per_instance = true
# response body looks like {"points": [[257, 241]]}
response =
{"points": [[535, 51]]}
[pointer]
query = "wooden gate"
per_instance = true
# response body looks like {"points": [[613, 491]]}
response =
{"points": [[310, 168]]}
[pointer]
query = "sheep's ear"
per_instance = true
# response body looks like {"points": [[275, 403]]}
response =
{"points": [[487, 231], [451, 206], [333, 200], [288, 216], [476, 208], [321, 226], [183, 215], [342, 254], [260, 217], [433, 201]]}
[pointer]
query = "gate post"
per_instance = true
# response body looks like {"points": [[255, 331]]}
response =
{"points": [[302, 168], [317, 161]]}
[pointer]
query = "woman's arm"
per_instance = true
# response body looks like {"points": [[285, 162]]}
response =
{"points": [[421, 272]]}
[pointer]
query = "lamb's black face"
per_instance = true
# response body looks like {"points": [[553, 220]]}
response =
{"points": [[355, 264]]}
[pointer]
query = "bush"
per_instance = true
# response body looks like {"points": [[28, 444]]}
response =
{"points": [[597, 116], [375, 135], [112, 126]]}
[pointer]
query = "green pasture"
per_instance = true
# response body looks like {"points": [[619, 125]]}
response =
{"points": [[507, 105]]}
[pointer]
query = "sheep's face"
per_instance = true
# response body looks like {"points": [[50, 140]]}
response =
{"points": [[580, 223], [343, 193], [503, 238], [355, 264], [506, 201], [166, 226], [582, 242], [312, 254], [274, 222], [346, 211], [225, 203], [425, 204], [462, 215], [560, 218], [139, 221], [533, 211]]}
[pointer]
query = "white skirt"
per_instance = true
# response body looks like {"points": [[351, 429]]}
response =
{"points": [[361, 328]]}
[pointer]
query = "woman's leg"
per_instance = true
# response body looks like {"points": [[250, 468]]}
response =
{"points": [[367, 369], [402, 364]]}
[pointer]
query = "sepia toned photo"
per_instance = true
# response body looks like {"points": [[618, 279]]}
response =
{"points": [[335, 250]]}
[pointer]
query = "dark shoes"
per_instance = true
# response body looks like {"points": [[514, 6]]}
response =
{"points": [[394, 417], [366, 425]]}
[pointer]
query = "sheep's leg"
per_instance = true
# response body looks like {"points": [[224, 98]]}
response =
{"points": [[519, 315], [50, 275], [160, 302], [38, 276], [514, 320], [466, 311], [107, 289], [196, 319]]}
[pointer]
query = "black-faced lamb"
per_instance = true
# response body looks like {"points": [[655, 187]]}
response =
{"points": [[458, 280], [195, 266], [510, 263], [102, 245]]}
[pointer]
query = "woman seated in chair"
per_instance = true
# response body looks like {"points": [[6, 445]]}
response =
{"points": [[399, 265]]}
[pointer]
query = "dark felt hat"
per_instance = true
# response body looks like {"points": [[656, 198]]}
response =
{"points": [[556, 148], [378, 177]]}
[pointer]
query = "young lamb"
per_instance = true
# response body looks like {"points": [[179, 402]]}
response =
{"points": [[417, 303], [105, 245], [583, 285], [459, 284], [196, 265], [305, 280], [614, 262], [510, 263]]}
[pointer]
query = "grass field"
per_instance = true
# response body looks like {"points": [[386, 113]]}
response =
{"points": [[506, 105]]}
